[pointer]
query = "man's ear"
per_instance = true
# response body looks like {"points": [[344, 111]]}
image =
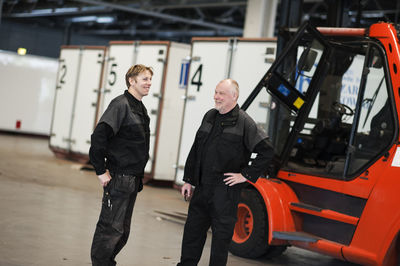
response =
{"points": [[132, 80]]}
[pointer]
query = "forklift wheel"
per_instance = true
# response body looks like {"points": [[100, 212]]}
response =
{"points": [[250, 237]]}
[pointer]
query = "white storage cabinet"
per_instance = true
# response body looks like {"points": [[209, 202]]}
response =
{"points": [[214, 59], [164, 104]]}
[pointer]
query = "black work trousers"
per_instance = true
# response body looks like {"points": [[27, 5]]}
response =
{"points": [[113, 227], [215, 206]]}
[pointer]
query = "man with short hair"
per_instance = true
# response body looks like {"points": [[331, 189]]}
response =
{"points": [[218, 165], [119, 152]]}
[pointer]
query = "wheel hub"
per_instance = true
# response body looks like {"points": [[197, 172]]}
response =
{"points": [[244, 224]]}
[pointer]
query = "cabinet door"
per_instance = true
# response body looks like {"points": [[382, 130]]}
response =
{"points": [[171, 116], [210, 61], [120, 59], [250, 61], [155, 56], [67, 77], [87, 90]]}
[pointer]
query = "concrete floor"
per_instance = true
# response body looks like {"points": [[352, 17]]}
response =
{"points": [[49, 208]]}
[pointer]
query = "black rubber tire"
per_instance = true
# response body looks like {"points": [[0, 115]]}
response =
{"points": [[257, 244]]}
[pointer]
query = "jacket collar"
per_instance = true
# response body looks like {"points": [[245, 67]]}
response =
{"points": [[228, 119], [134, 103]]}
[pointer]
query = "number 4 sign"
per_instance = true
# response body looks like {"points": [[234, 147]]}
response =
{"points": [[198, 82]]}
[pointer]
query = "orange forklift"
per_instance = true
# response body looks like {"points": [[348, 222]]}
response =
{"points": [[334, 185]]}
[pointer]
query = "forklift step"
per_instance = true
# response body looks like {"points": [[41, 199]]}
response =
{"points": [[324, 213], [295, 236]]}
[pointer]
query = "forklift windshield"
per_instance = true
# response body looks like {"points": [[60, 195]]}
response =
{"points": [[327, 116]]}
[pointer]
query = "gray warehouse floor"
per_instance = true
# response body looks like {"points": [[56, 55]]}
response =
{"points": [[49, 208]]}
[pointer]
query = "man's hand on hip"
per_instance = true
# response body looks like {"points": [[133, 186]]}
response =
{"points": [[234, 178]]}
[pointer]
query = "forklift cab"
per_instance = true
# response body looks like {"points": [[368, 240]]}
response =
{"points": [[333, 125], [331, 110]]}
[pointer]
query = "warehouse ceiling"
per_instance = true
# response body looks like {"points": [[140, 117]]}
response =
{"points": [[176, 20]]}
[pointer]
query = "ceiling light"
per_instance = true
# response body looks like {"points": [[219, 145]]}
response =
{"points": [[103, 19], [84, 19], [21, 51]]}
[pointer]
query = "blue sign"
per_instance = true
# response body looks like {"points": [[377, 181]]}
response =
{"points": [[282, 89], [183, 77]]}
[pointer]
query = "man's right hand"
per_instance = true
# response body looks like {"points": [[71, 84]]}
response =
{"points": [[186, 190], [104, 178]]}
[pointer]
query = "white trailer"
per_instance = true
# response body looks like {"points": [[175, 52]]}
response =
{"points": [[26, 93]]}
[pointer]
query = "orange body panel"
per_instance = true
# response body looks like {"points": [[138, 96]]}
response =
{"points": [[324, 247], [379, 222], [277, 195], [358, 187], [329, 214]]}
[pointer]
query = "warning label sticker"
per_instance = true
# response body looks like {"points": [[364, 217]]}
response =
{"points": [[298, 103], [396, 158]]}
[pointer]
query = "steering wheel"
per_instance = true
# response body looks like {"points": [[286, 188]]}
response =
{"points": [[342, 109]]}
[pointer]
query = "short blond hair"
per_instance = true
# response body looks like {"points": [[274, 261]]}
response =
{"points": [[134, 71]]}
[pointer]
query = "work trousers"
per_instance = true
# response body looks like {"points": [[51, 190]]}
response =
{"points": [[215, 206], [113, 227]]}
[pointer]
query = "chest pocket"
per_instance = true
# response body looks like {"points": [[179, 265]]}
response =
{"points": [[132, 132], [134, 128], [230, 143], [230, 148], [230, 153]]}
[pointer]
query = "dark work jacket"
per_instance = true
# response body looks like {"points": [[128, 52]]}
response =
{"points": [[125, 148], [239, 138]]}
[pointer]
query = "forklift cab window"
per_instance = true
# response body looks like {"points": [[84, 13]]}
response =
{"points": [[320, 147], [298, 73], [375, 127], [288, 83], [336, 141]]}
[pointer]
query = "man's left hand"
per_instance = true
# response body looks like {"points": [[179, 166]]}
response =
{"points": [[234, 178]]}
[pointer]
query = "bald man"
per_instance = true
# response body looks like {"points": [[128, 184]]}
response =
{"points": [[218, 167]]}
